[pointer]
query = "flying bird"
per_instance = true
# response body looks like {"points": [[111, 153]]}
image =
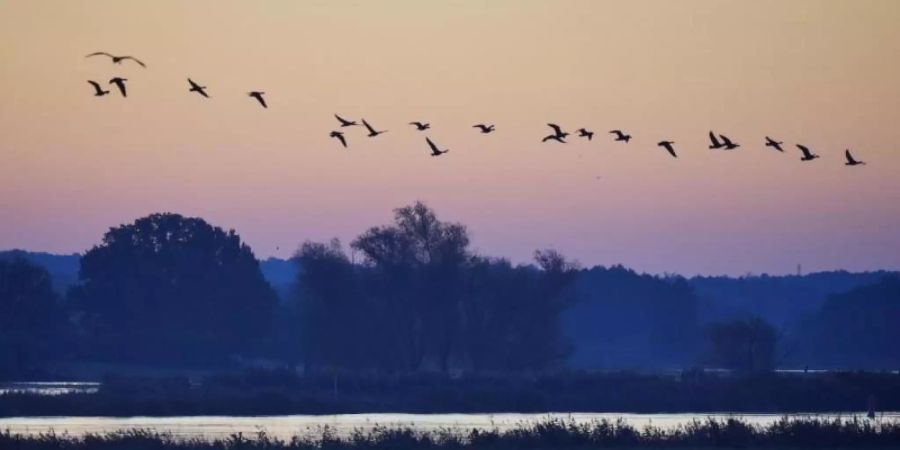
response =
{"points": [[620, 136], [258, 95], [117, 59], [421, 126], [585, 133], [98, 91], [372, 132], [435, 151], [850, 160], [668, 146], [807, 154], [120, 83], [714, 142], [774, 144], [345, 122], [339, 136], [197, 88], [558, 134], [727, 143], [484, 128]]}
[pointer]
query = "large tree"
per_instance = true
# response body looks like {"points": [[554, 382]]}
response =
{"points": [[169, 288], [421, 299]]}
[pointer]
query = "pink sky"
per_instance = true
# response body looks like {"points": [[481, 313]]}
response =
{"points": [[825, 73]]}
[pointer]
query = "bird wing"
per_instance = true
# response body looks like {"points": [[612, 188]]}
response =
{"points": [[366, 124], [479, 126], [258, 96], [671, 151], [341, 120], [96, 85], [434, 148], [618, 133], [849, 157], [769, 141], [135, 60], [725, 140], [121, 85], [805, 150], [193, 85], [712, 138], [98, 53], [341, 138], [555, 127]]}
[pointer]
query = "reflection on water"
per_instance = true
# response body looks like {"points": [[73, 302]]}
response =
{"points": [[49, 387], [285, 427]]}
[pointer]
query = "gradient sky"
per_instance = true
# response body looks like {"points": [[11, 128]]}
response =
{"points": [[824, 73]]}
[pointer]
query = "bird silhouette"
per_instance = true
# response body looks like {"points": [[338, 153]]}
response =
{"points": [[117, 59], [774, 144], [345, 122], [714, 142], [421, 126], [197, 88], [808, 155], [668, 146], [727, 143], [98, 91], [372, 132], [558, 134], [620, 136], [120, 83], [850, 160], [435, 151], [484, 128], [339, 136], [585, 133], [258, 95]]}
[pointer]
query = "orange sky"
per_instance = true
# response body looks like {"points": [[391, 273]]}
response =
{"points": [[824, 73]]}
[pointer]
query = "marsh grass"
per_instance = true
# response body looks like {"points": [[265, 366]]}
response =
{"points": [[786, 433]]}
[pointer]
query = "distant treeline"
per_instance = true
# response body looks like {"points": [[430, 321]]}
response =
{"points": [[413, 296], [548, 434]]}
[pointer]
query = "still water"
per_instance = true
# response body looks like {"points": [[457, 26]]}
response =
{"points": [[285, 427]]}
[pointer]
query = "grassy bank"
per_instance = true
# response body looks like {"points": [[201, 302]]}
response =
{"points": [[275, 392], [551, 434]]}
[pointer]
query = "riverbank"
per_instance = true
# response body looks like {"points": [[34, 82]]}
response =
{"points": [[549, 434], [285, 393]]}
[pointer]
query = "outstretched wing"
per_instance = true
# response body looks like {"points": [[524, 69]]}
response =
{"points": [[98, 54], [135, 60], [712, 138], [849, 157], [806, 152], [193, 85], [434, 148], [556, 128], [96, 85], [340, 137], [121, 85], [366, 124]]}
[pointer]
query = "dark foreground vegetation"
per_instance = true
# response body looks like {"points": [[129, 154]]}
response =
{"points": [[551, 434], [282, 392]]}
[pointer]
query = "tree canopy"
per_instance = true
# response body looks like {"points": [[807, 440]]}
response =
{"points": [[172, 288]]}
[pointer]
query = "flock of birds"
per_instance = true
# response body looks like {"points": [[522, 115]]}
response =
{"points": [[717, 141]]}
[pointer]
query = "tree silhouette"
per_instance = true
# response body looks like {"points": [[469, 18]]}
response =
{"points": [[743, 345], [172, 288], [32, 323]]}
